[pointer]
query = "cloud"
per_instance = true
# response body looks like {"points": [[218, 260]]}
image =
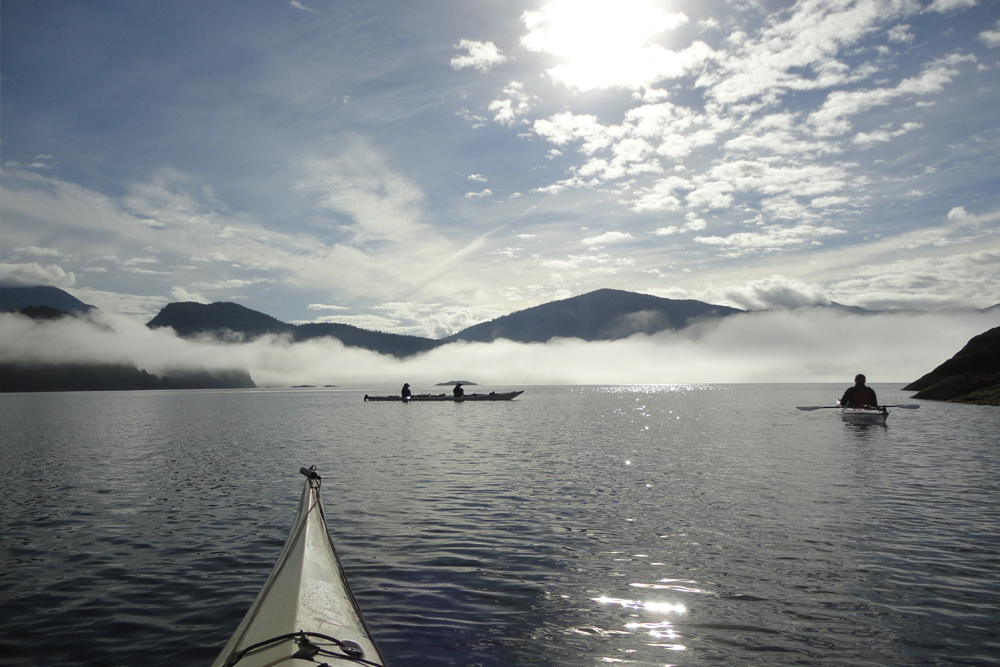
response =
{"points": [[832, 118], [774, 237], [586, 265], [693, 224], [774, 292], [991, 38], [884, 135], [323, 306], [384, 204], [181, 294], [482, 56], [298, 5], [900, 33], [799, 53], [807, 345], [214, 253], [606, 238], [944, 6], [32, 273], [518, 103]]}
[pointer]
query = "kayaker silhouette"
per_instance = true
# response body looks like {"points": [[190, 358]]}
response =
{"points": [[859, 396], [405, 391], [458, 391]]}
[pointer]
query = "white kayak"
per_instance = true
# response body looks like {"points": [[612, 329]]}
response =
{"points": [[306, 613], [873, 415]]}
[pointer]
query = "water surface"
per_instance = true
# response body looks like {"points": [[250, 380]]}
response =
{"points": [[643, 525]]}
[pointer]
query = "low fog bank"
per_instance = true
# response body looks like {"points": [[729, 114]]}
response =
{"points": [[805, 345]]}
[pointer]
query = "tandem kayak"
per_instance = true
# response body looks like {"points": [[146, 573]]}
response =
{"points": [[306, 613], [873, 415], [492, 396]]}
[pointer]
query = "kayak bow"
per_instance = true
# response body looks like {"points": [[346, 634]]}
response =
{"points": [[306, 611]]}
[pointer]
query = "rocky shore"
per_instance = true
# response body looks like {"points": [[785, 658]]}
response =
{"points": [[971, 376]]}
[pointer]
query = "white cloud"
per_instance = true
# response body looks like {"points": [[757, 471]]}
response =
{"points": [[383, 203], [693, 224], [478, 195], [32, 273], [900, 33], [774, 237], [607, 238], [599, 264], [991, 38], [482, 56], [324, 306], [477, 178], [517, 103], [944, 6], [566, 127], [832, 118], [883, 135], [181, 294], [298, 5], [799, 53], [775, 292]]}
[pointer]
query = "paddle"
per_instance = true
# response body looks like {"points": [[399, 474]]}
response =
{"points": [[905, 406]]}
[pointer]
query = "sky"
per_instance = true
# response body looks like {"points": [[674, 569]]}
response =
{"points": [[421, 167]]}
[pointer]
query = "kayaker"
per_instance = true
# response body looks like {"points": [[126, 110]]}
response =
{"points": [[405, 391], [859, 396], [458, 391]]}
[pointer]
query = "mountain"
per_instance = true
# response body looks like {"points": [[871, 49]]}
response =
{"points": [[15, 298], [228, 320], [605, 314], [398, 345], [190, 319], [971, 376], [602, 315]]}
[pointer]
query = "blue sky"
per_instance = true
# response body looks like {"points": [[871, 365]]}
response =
{"points": [[420, 167]]}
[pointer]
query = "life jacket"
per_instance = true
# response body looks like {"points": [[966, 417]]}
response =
{"points": [[863, 397]]}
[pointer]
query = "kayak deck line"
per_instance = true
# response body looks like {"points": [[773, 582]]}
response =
{"points": [[309, 650], [306, 608]]}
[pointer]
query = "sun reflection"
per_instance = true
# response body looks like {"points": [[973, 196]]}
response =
{"points": [[658, 630], [662, 607], [669, 587], [654, 388]]}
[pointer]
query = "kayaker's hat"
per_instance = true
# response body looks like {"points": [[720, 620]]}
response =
{"points": [[406, 384]]}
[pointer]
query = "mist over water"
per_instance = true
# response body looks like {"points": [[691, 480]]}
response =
{"points": [[805, 345], [689, 524]]}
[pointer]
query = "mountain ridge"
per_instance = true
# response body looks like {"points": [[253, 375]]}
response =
{"points": [[604, 314]]}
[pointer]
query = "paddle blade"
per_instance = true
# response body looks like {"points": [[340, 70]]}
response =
{"points": [[811, 407], [905, 406]]}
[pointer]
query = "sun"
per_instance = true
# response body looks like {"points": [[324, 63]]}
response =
{"points": [[602, 43]]}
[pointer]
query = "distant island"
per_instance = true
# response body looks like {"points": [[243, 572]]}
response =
{"points": [[971, 376], [22, 377]]}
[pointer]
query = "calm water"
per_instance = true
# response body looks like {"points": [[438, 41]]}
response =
{"points": [[674, 525]]}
